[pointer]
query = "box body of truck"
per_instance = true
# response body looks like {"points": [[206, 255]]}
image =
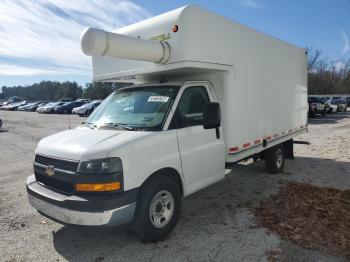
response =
{"points": [[259, 83]]}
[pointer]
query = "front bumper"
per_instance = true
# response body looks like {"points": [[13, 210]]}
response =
{"points": [[87, 210]]}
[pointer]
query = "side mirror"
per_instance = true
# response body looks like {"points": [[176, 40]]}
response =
{"points": [[211, 115]]}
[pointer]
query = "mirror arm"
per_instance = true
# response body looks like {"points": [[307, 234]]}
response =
{"points": [[217, 130]]}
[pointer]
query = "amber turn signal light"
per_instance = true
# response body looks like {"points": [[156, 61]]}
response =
{"points": [[98, 187]]}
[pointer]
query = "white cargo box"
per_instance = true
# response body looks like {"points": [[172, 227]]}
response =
{"points": [[259, 81]]}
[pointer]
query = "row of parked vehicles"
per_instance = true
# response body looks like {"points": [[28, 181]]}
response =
{"points": [[81, 107], [327, 104]]}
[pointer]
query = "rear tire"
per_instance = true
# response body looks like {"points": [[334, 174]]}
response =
{"points": [[274, 159], [158, 209]]}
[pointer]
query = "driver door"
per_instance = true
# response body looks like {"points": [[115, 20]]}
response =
{"points": [[202, 153]]}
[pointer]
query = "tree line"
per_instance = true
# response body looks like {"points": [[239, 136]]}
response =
{"points": [[324, 77], [327, 77], [54, 90]]}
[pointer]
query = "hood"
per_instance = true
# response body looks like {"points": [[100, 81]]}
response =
{"points": [[83, 143]]}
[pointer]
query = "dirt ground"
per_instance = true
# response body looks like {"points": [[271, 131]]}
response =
{"points": [[216, 223]]}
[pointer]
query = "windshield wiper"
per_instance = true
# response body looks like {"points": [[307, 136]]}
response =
{"points": [[116, 125], [90, 125]]}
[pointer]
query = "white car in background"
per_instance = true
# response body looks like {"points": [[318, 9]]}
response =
{"points": [[333, 107], [337, 103]]}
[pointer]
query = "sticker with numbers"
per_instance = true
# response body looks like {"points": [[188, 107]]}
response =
{"points": [[160, 99]]}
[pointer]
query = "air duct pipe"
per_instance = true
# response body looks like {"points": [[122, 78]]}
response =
{"points": [[97, 42]]}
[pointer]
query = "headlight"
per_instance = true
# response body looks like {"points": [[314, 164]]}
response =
{"points": [[105, 165]]}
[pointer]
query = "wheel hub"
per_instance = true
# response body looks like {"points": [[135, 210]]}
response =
{"points": [[279, 158], [161, 209]]}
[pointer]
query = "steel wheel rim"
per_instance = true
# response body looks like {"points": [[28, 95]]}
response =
{"points": [[279, 158], [161, 209]]}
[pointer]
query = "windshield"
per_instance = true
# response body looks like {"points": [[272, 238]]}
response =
{"points": [[137, 108]]}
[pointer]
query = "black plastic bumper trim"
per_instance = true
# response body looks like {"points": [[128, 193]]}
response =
{"points": [[85, 202]]}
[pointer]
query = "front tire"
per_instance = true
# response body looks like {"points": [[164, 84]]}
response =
{"points": [[274, 159], [158, 209]]}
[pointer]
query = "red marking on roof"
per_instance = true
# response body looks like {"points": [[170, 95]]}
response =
{"points": [[268, 138], [233, 149], [257, 141], [246, 145]]}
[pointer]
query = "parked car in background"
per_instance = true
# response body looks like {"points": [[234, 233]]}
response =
{"points": [[30, 106], [15, 106], [336, 101], [327, 106], [11, 100], [67, 108], [330, 108], [48, 108], [316, 106], [35, 105], [24, 107], [347, 99], [3, 105], [40, 108], [342, 105], [87, 109], [51, 109]]}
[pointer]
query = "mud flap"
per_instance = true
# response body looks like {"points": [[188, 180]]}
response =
{"points": [[289, 149]]}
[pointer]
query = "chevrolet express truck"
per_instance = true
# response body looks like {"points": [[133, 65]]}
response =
{"points": [[206, 92]]}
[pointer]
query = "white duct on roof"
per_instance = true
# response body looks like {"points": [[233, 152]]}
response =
{"points": [[97, 42]]}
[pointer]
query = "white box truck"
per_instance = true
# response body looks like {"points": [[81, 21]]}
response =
{"points": [[206, 92]]}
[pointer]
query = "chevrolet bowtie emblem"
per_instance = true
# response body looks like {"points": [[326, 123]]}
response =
{"points": [[50, 170]]}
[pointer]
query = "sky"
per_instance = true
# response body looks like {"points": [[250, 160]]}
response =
{"points": [[40, 39]]}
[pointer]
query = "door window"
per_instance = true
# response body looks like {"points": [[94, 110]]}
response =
{"points": [[190, 108]]}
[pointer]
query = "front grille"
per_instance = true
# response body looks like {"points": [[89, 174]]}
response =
{"points": [[69, 165], [60, 181], [55, 184]]}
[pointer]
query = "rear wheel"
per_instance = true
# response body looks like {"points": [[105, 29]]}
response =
{"points": [[158, 209], [274, 159]]}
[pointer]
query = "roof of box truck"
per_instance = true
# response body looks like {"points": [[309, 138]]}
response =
{"points": [[200, 36]]}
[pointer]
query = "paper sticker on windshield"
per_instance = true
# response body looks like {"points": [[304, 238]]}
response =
{"points": [[161, 99]]}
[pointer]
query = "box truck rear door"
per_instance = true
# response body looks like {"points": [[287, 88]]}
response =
{"points": [[202, 153]]}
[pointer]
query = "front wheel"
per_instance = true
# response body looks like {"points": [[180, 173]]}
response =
{"points": [[274, 159], [158, 209]]}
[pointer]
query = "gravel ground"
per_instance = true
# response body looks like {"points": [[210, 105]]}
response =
{"points": [[216, 223]]}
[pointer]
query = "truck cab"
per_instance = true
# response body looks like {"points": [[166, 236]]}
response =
{"points": [[139, 136]]}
